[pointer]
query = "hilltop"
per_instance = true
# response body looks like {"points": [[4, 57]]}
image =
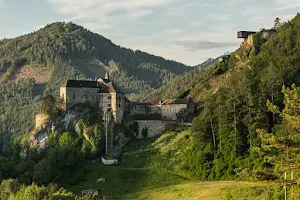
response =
{"points": [[38, 63], [71, 51]]}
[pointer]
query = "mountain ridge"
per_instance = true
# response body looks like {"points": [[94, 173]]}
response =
{"points": [[71, 45]]}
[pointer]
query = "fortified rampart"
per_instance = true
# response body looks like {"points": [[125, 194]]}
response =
{"points": [[153, 127]]}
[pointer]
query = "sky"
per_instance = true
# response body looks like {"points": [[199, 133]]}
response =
{"points": [[188, 31]]}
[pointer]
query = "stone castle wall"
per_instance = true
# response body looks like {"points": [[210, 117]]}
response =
{"points": [[168, 112], [115, 101], [40, 119], [78, 95], [155, 127]]}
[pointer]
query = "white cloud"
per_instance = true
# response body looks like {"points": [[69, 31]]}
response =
{"points": [[234, 2], [239, 2], [140, 13], [39, 27], [219, 17], [195, 23], [169, 28], [287, 4], [171, 31], [104, 6], [2, 3], [96, 26], [105, 11], [130, 4], [268, 21], [194, 45]]}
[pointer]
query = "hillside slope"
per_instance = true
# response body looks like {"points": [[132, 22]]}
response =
{"points": [[265, 53], [248, 116], [152, 169], [88, 54], [38, 63]]}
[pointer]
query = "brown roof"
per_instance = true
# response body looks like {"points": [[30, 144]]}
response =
{"points": [[154, 102], [168, 101]]}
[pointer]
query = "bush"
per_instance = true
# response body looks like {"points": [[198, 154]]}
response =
{"points": [[145, 132]]}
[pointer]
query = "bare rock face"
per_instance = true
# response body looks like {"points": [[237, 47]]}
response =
{"points": [[237, 56], [39, 137], [122, 140]]}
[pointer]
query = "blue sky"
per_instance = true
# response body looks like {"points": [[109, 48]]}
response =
{"points": [[188, 31]]}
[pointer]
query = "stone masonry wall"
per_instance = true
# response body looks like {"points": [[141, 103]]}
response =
{"points": [[155, 127], [168, 112], [40, 119]]}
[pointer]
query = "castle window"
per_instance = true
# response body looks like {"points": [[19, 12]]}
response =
{"points": [[109, 105], [109, 97], [74, 96]]}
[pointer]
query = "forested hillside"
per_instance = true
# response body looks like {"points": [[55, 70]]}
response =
{"points": [[38, 63], [87, 53], [249, 122]]}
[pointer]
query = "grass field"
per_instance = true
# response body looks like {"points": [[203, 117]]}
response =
{"points": [[128, 183], [205, 190], [122, 181], [147, 172]]}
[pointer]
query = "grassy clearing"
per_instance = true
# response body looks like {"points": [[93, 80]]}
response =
{"points": [[135, 184], [205, 190], [149, 171], [122, 181]]}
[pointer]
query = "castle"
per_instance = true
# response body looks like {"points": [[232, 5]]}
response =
{"points": [[106, 95], [101, 92], [155, 116]]}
